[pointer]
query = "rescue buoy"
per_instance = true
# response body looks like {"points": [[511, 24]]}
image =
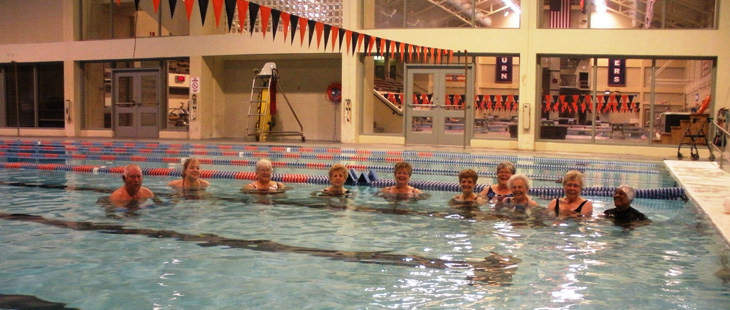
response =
{"points": [[334, 92], [705, 104]]}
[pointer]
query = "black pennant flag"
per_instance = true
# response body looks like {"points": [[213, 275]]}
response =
{"points": [[367, 43], [203, 10], [275, 16], [377, 46], [293, 21], [230, 11], [327, 30], [311, 24], [355, 36], [387, 47], [136, 5], [172, 8], [253, 10], [341, 35]]}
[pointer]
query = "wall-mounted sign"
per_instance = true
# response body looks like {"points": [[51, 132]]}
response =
{"points": [[616, 72], [504, 70], [195, 85]]}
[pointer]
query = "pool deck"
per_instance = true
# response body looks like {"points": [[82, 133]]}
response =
{"points": [[708, 186]]}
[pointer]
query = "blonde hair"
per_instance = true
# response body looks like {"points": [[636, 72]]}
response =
{"points": [[337, 167], [403, 165], [573, 175], [506, 165], [468, 173]]}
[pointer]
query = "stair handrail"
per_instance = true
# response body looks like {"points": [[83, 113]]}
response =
{"points": [[723, 140], [396, 109]]}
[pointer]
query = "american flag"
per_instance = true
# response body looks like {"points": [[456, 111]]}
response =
{"points": [[559, 13]]}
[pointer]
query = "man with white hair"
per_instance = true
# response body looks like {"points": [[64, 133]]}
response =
{"points": [[132, 190], [623, 212]]}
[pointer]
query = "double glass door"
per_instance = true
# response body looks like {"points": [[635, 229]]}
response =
{"points": [[438, 101], [136, 95]]}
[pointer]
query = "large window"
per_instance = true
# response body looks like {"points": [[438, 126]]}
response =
{"points": [[442, 14], [621, 100], [107, 19], [32, 95], [638, 14]]}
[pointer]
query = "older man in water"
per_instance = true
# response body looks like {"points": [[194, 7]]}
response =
{"points": [[623, 212], [132, 190]]}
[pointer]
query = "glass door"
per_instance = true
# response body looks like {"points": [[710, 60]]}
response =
{"points": [[136, 103], [438, 101]]}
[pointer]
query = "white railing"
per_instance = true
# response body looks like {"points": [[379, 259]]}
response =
{"points": [[719, 144]]}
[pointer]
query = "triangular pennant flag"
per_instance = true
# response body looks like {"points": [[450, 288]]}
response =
{"points": [[285, 17], [556, 98], [136, 5], [393, 46], [546, 104], [335, 32], [189, 8], [387, 48], [588, 103], [355, 38], [430, 98], [327, 30], [391, 97], [368, 46], [575, 102], [513, 104], [626, 105], [377, 46], [217, 10], [399, 98], [479, 102], [439, 51], [302, 25], [312, 24], [230, 12], [499, 102], [294, 23], [265, 15], [462, 102], [242, 13], [416, 99], [341, 34], [402, 50], [359, 42], [275, 16], [348, 38], [156, 5], [450, 101], [432, 55], [372, 43], [173, 3], [382, 46], [253, 11], [203, 5], [410, 49], [631, 104]]}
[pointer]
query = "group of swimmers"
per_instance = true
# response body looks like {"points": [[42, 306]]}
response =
{"points": [[511, 190]]}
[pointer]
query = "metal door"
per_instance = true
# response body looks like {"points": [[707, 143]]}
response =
{"points": [[438, 101], [136, 100]]}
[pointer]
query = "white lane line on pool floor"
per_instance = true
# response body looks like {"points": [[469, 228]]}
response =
{"points": [[707, 185]]}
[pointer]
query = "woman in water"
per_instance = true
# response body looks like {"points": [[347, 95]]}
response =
{"points": [[499, 191], [572, 204], [190, 177], [263, 179]]}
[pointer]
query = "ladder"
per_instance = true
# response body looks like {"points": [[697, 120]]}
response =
{"points": [[261, 121]]}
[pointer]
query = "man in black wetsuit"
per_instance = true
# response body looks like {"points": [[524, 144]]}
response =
{"points": [[623, 212]]}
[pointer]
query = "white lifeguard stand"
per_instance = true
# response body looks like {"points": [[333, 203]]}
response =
{"points": [[263, 92]]}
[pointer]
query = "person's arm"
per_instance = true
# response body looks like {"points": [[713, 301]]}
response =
{"points": [[416, 191], [551, 206], [146, 193], [587, 209], [204, 184]]}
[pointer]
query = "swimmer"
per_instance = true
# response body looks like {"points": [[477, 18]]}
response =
{"points": [[499, 191], [190, 177], [263, 179], [338, 176], [572, 204], [132, 190], [467, 181], [623, 212], [520, 201], [402, 172]]}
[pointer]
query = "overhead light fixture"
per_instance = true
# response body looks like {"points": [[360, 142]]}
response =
{"points": [[600, 6], [512, 6]]}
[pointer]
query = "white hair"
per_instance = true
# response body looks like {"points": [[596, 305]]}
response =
{"points": [[629, 191]]}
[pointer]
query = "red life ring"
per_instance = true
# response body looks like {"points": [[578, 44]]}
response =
{"points": [[334, 92], [705, 104]]}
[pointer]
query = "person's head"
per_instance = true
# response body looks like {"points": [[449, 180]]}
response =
{"points": [[191, 168], [338, 174], [264, 170], [573, 183], [519, 184], [402, 171], [132, 177], [623, 196], [505, 170], [468, 179]]}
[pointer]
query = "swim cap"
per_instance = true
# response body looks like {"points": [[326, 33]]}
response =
{"points": [[630, 192]]}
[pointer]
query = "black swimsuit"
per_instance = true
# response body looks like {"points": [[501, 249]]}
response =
{"points": [[557, 206]]}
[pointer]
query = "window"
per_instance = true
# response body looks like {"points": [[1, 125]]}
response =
{"points": [[442, 14], [33, 95]]}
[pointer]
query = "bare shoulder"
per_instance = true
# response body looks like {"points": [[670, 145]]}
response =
{"points": [[175, 183], [145, 193], [204, 184]]}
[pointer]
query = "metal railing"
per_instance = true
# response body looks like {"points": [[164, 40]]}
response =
{"points": [[719, 143]]}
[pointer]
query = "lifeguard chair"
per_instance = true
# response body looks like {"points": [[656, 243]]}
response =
{"points": [[262, 105]]}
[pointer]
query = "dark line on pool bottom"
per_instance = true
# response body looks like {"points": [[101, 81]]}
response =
{"points": [[467, 213], [29, 302], [493, 269]]}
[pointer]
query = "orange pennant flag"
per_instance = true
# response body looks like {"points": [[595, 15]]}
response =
{"points": [[265, 12], [155, 4], [217, 9], [392, 49], [371, 44], [285, 23], [319, 27], [438, 58], [359, 42], [335, 33], [118, 2], [432, 55], [348, 39], [189, 8], [402, 50], [410, 49], [302, 25], [242, 13]]}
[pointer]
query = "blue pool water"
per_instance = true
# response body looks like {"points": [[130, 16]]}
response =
{"points": [[303, 252]]}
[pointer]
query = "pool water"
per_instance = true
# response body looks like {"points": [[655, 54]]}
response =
{"points": [[227, 250]]}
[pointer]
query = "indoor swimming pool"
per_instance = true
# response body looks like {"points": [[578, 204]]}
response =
{"points": [[224, 249]]}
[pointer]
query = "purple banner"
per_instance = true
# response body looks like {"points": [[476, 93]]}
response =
{"points": [[504, 70], [617, 72]]}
